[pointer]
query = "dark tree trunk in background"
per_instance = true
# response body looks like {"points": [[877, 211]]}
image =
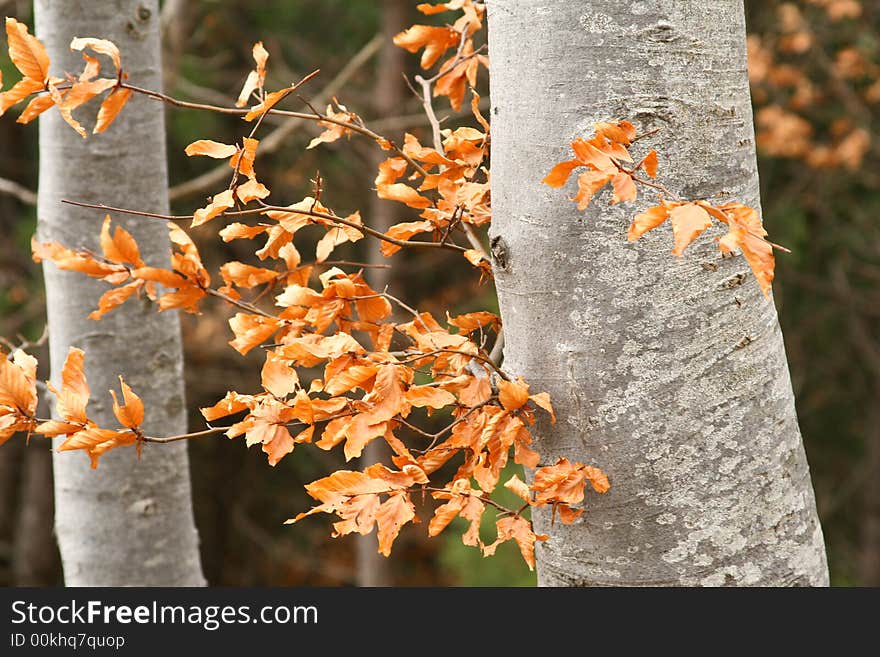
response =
{"points": [[372, 568], [664, 371]]}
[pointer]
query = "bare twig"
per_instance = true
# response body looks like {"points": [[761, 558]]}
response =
{"points": [[14, 189]]}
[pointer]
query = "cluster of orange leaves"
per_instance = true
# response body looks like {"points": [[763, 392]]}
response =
{"points": [[785, 71], [18, 407], [68, 93], [607, 160], [367, 388]]}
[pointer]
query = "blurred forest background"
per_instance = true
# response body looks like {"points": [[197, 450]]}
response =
{"points": [[815, 71]]}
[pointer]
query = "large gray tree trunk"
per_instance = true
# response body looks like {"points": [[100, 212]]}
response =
{"points": [[131, 521], [670, 374]]}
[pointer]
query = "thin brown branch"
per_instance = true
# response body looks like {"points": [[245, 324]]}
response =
{"points": [[244, 305], [264, 208]]}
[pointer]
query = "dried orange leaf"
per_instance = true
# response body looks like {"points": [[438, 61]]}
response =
{"points": [[513, 394], [256, 78], [251, 190], [560, 173], [647, 220], [218, 205], [277, 376], [131, 413], [688, 222], [34, 108], [121, 247], [435, 41], [74, 394], [624, 188], [211, 148], [19, 91], [650, 163], [110, 108], [102, 46], [519, 488], [429, 396], [26, 52], [391, 515], [520, 530], [589, 183], [114, 298]]}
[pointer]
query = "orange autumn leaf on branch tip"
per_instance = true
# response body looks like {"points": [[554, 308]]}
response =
{"points": [[605, 157], [80, 432], [18, 394]]}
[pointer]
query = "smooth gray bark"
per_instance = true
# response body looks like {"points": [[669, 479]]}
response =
{"points": [[130, 522], [668, 373]]}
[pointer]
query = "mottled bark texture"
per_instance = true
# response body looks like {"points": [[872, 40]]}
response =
{"points": [[130, 522], [668, 373]]}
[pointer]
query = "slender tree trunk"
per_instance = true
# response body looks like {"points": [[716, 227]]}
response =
{"points": [[668, 373], [372, 568], [35, 555], [131, 521]]}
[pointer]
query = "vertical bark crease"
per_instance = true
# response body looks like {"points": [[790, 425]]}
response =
{"points": [[669, 375], [131, 521]]}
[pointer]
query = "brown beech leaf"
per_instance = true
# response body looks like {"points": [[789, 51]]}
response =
{"points": [[80, 262], [561, 172], [688, 222], [218, 205], [256, 78], [110, 108], [131, 413], [74, 394], [435, 41], [542, 399], [520, 530], [121, 247], [432, 397], [404, 231], [231, 404], [278, 377], [757, 252], [18, 393], [19, 91], [473, 321], [101, 46], [251, 330], [624, 188], [622, 132], [246, 276], [650, 163], [96, 441], [37, 106], [243, 160], [211, 148], [268, 103], [26, 52], [353, 376], [391, 515], [519, 488], [513, 394], [647, 220], [114, 298], [251, 190], [589, 183]]}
